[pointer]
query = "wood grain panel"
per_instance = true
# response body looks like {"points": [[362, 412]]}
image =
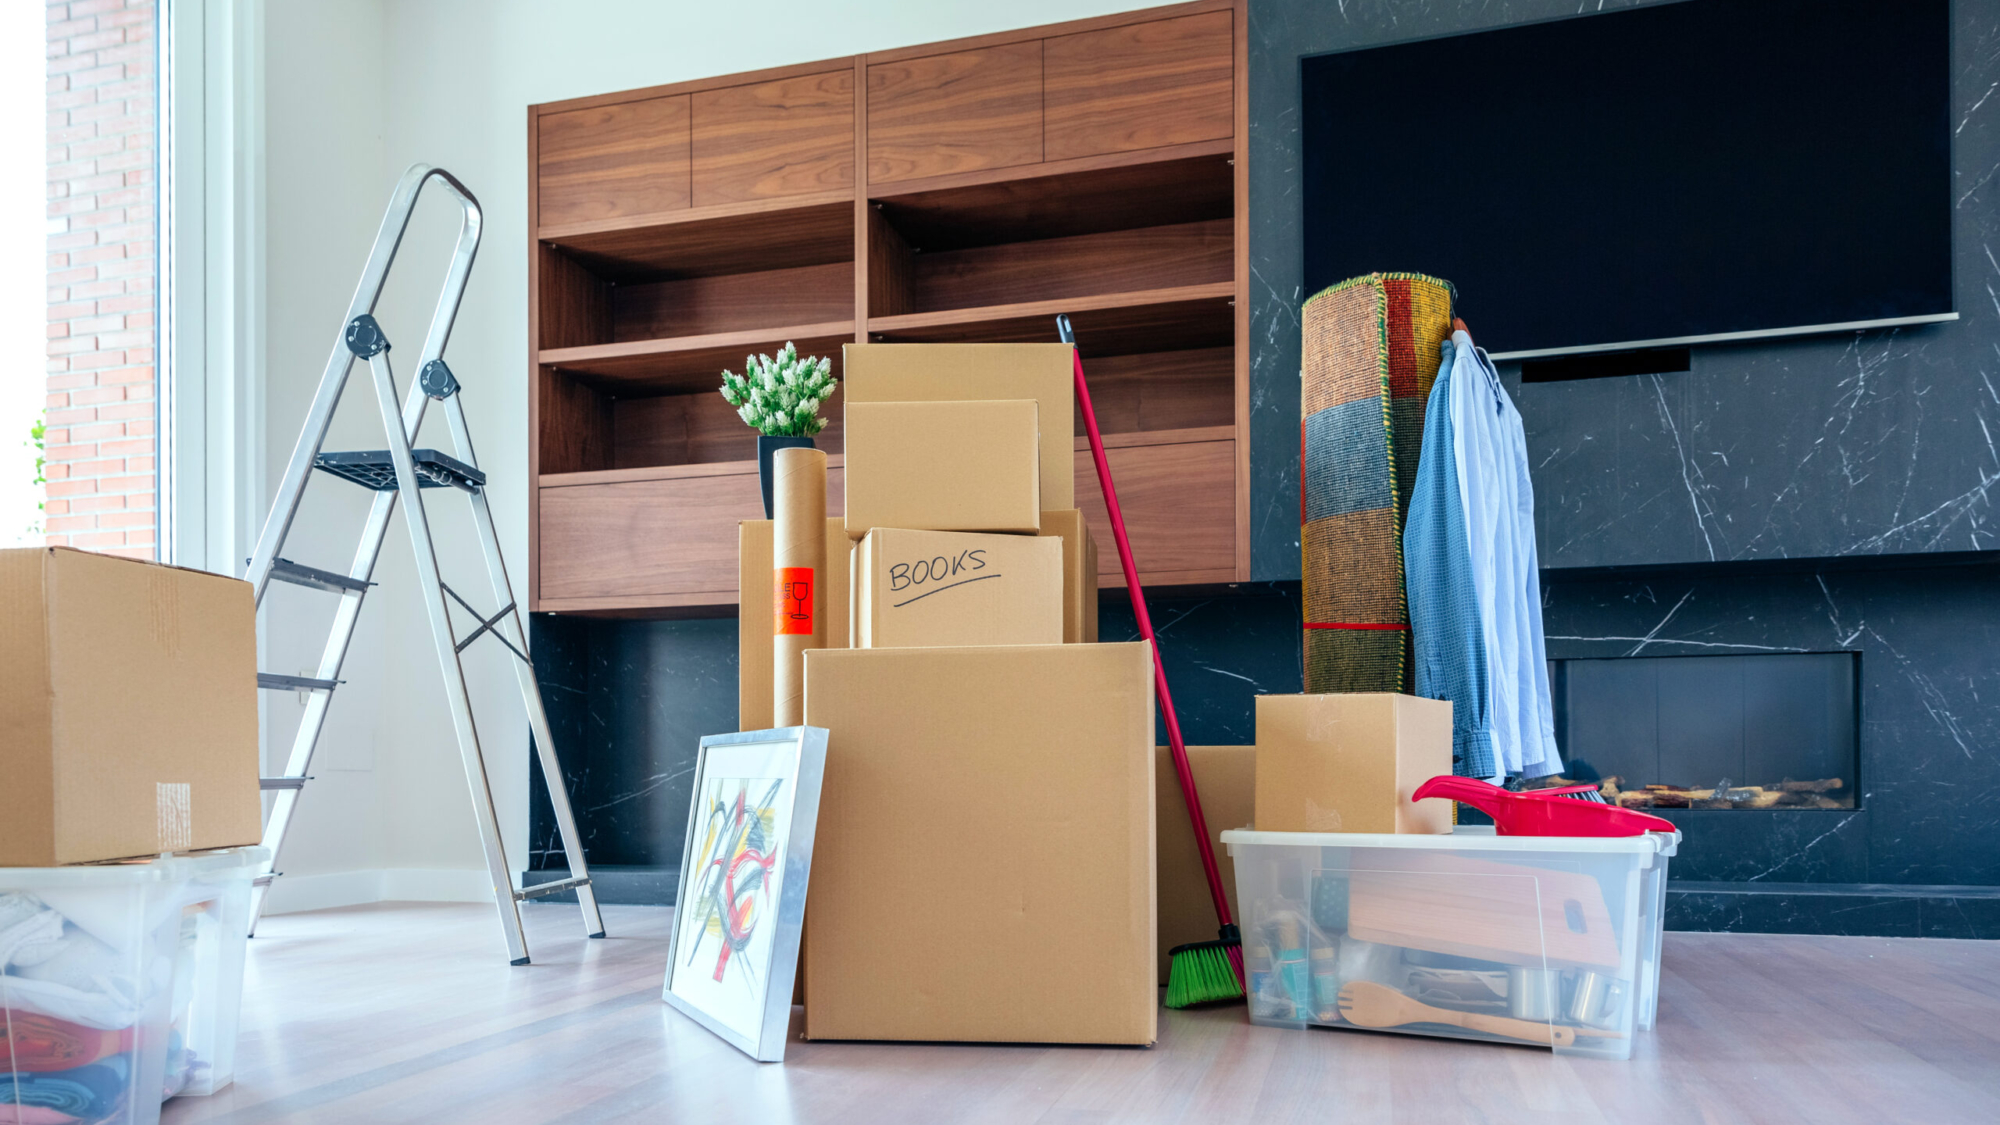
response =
{"points": [[1189, 316], [575, 425], [629, 158], [696, 429], [691, 363], [732, 302], [575, 303], [891, 269], [1162, 391], [763, 234], [669, 535], [1179, 505], [1118, 261], [955, 112], [772, 139], [1139, 86]]}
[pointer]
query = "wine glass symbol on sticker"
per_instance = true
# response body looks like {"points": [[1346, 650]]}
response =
{"points": [[798, 601]]}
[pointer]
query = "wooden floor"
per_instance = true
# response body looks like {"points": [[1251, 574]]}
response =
{"points": [[405, 1013]]}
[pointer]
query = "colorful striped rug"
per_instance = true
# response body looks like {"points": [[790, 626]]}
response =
{"points": [[1370, 355]]}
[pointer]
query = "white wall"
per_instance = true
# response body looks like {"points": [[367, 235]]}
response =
{"points": [[355, 92]]}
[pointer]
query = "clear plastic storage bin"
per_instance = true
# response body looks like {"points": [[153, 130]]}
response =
{"points": [[116, 978], [1548, 941]]}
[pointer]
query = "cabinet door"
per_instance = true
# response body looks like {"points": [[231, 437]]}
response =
{"points": [[788, 137], [665, 541], [1143, 85], [1179, 503], [613, 161], [955, 113]]}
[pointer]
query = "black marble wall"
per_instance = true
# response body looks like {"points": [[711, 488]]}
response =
{"points": [[1868, 443]]}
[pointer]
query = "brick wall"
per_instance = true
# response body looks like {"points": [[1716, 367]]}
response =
{"points": [[102, 385]]}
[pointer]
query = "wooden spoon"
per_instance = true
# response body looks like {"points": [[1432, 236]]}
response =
{"points": [[1367, 1004]]}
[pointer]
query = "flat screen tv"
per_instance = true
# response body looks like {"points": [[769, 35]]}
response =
{"points": [[1691, 172]]}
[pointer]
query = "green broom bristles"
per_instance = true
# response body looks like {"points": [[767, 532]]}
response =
{"points": [[1202, 972]]}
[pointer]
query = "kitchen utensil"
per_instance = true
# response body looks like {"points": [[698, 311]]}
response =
{"points": [[1365, 1004], [1513, 913], [1596, 1001], [1542, 812], [1532, 994]]}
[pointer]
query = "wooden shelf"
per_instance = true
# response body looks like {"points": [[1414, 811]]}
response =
{"points": [[1149, 320], [1149, 188], [665, 472], [688, 363], [804, 230]]}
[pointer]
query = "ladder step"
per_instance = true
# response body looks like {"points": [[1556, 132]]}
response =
{"points": [[265, 879], [276, 682], [373, 469], [540, 889], [268, 783], [299, 574]]}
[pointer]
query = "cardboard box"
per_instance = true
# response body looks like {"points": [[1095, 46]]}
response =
{"points": [[1079, 568], [1226, 778], [954, 588], [754, 609], [983, 867], [941, 372], [1349, 762], [942, 466], [128, 698]]}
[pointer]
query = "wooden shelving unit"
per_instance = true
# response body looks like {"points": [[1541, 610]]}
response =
{"points": [[970, 192]]}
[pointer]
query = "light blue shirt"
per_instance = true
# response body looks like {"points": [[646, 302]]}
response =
{"points": [[1473, 574]]}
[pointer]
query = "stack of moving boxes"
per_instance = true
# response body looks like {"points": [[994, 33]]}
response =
{"points": [[983, 867]]}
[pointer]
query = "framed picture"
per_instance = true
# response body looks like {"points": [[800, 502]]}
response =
{"points": [[742, 895]]}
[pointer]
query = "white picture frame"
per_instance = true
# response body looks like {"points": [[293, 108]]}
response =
{"points": [[740, 899]]}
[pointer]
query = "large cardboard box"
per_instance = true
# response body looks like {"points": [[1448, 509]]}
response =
{"points": [[955, 588], [941, 372], [983, 866], [1349, 762], [128, 709], [754, 608], [1226, 779], [1079, 568], [942, 466]]}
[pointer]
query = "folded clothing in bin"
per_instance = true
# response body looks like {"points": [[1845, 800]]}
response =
{"points": [[119, 985]]}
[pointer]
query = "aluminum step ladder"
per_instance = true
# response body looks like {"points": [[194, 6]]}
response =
{"points": [[402, 472]]}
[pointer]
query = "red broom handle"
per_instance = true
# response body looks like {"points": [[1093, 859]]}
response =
{"points": [[1174, 743]]}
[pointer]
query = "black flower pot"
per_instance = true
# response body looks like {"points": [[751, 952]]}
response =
{"points": [[766, 446]]}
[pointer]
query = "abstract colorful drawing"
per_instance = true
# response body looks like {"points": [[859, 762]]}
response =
{"points": [[737, 850]]}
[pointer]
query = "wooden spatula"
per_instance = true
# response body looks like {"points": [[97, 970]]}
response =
{"points": [[1367, 1004]]}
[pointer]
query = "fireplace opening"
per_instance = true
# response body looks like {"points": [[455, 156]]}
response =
{"points": [[1770, 731]]}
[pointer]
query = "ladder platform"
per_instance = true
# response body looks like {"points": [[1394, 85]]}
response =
{"points": [[374, 470], [312, 577], [273, 681], [269, 783], [540, 889]]}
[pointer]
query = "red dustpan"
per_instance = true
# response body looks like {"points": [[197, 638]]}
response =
{"points": [[1544, 812]]}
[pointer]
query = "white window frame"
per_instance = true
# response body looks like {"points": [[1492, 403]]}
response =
{"points": [[211, 282]]}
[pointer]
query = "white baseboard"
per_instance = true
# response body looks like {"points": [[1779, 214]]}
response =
{"points": [[292, 894]]}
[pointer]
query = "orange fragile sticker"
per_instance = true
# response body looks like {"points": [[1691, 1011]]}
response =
{"points": [[792, 587]]}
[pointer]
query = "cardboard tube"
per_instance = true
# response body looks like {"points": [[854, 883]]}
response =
{"points": [[798, 576]]}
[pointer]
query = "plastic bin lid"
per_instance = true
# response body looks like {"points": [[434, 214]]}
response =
{"points": [[153, 870], [1467, 837]]}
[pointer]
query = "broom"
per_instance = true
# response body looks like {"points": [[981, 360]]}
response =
{"points": [[1204, 970]]}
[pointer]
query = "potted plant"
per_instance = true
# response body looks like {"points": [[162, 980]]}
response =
{"points": [[780, 399]]}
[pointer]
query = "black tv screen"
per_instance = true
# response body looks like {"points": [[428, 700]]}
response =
{"points": [[1710, 169]]}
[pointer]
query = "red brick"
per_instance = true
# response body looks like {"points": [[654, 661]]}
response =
{"points": [[98, 468], [76, 416], [67, 488], [140, 427], [69, 345], [109, 542], [95, 360], [98, 503], [143, 14], [111, 287], [139, 356], [131, 447], [139, 464], [129, 159], [69, 67], [123, 375], [143, 482], [80, 8], [94, 39], [126, 339], [65, 28], [70, 523], [91, 255], [128, 520], [87, 324], [126, 411], [71, 240], [55, 471], [54, 507], [124, 304], [103, 433], [66, 98]]}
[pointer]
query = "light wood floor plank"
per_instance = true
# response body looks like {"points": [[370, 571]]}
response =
{"points": [[409, 1013]]}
